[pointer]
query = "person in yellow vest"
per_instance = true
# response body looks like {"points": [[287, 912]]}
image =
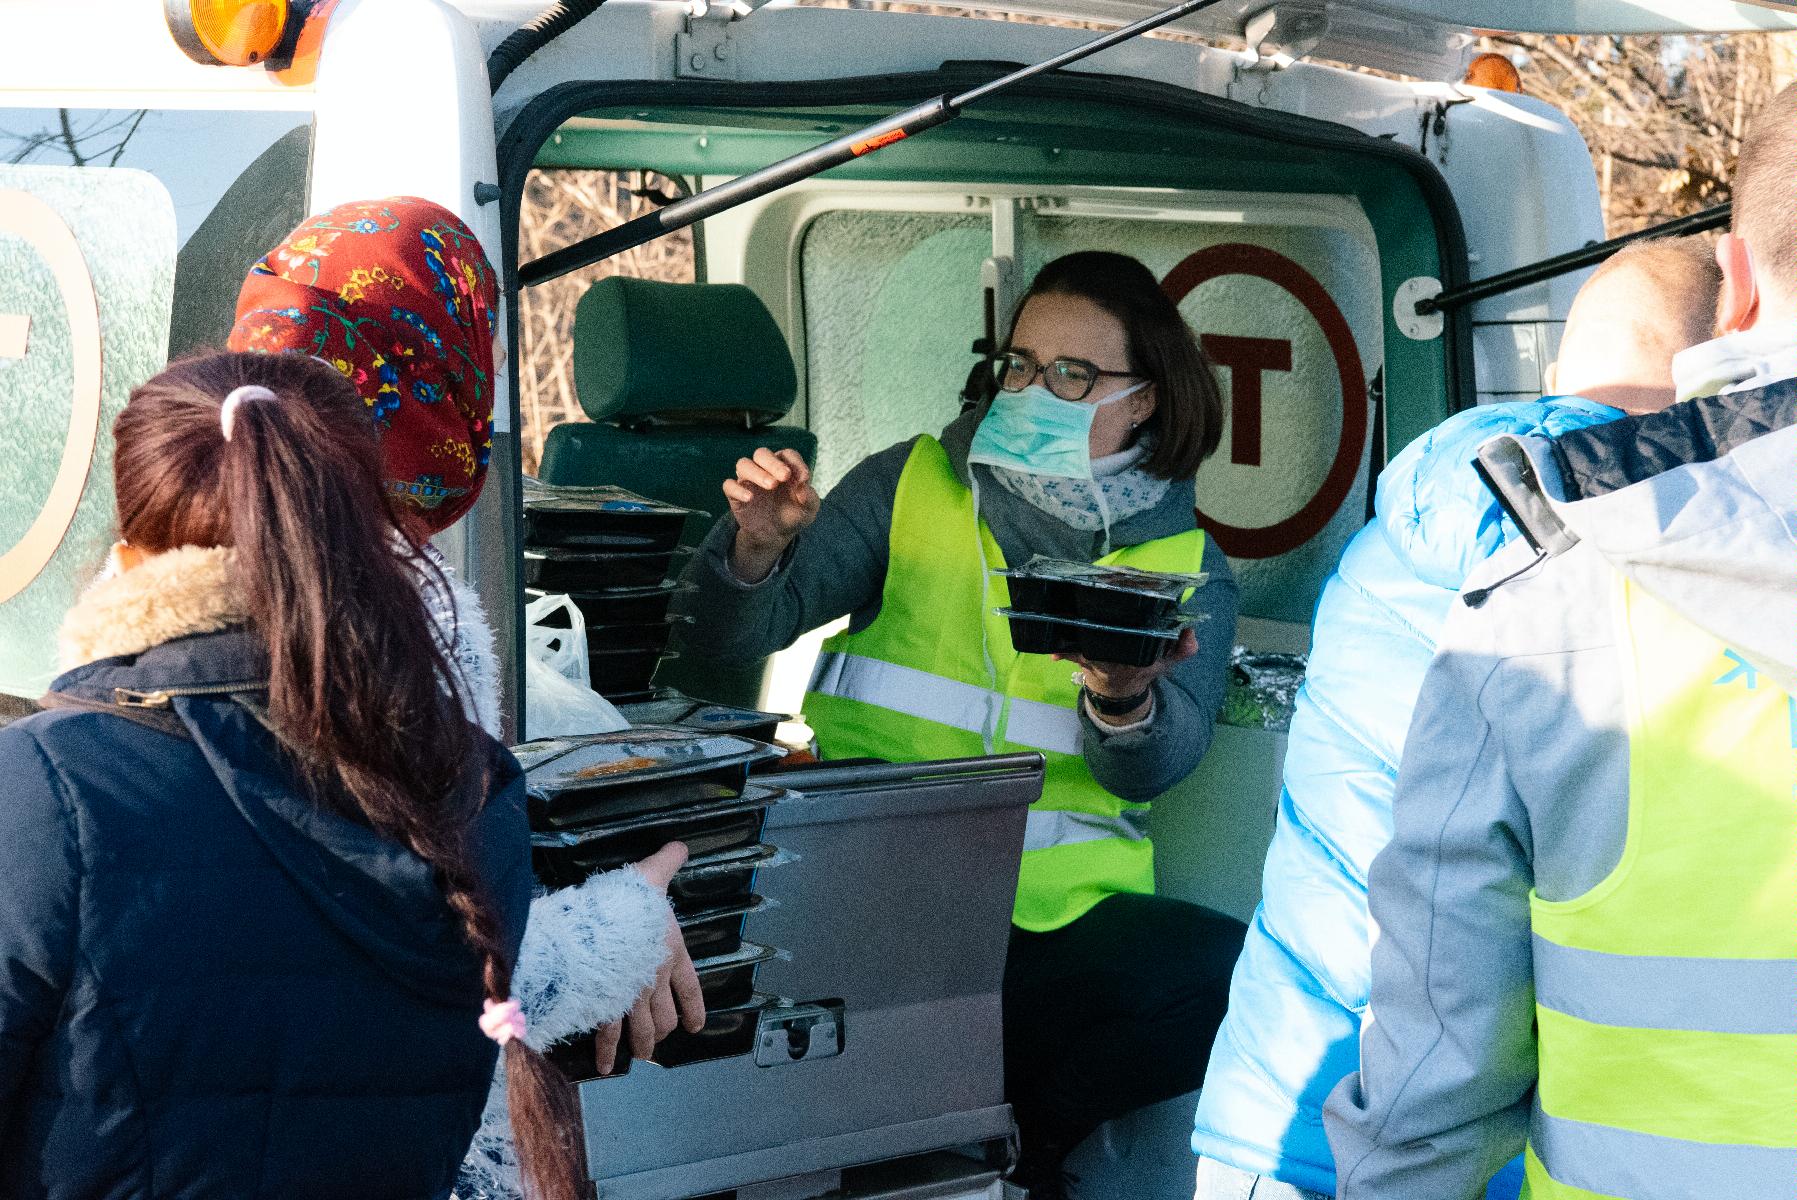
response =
{"points": [[1587, 918], [1103, 411]]}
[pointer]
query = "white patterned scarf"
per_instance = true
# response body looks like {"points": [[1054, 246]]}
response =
{"points": [[1119, 489]]}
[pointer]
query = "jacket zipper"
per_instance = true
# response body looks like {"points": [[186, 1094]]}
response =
{"points": [[160, 697]]}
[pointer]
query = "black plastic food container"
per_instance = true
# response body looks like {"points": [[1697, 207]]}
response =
{"points": [[1107, 595], [714, 931], [717, 879], [579, 782], [728, 1032], [565, 858], [618, 606], [729, 979], [554, 523], [559, 569], [618, 673], [670, 707], [650, 636], [1034, 634]]}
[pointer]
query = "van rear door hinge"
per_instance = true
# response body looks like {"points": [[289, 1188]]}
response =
{"points": [[705, 49]]}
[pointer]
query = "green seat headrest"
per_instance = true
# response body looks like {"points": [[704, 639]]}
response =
{"points": [[643, 348]]}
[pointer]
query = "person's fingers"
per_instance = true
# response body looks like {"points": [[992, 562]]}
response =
{"points": [[1187, 647], [605, 1046], [662, 866], [689, 996], [661, 1005], [736, 493], [800, 472], [773, 464], [750, 472], [640, 1024]]}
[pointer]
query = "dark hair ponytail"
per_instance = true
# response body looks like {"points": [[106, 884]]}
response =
{"points": [[360, 690]]}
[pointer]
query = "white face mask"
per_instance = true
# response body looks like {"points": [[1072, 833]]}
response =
{"points": [[1035, 432]]}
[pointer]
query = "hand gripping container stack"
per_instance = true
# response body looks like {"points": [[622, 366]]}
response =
{"points": [[615, 554], [599, 803], [1103, 614]]}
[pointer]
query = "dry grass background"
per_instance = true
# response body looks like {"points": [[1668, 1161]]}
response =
{"points": [[561, 207]]}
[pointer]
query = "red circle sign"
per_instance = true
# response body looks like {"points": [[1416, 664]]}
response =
{"points": [[1240, 258]]}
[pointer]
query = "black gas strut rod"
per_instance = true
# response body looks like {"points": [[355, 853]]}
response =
{"points": [[1572, 260], [807, 163]]}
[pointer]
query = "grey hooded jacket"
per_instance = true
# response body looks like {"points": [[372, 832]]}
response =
{"points": [[1515, 771], [837, 567]]}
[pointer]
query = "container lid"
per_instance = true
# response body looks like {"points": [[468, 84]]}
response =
{"points": [[580, 554], [754, 798], [1168, 632], [1161, 584], [728, 861], [670, 707], [668, 587], [605, 498], [631, 756], [736, 908], [749, 955]]}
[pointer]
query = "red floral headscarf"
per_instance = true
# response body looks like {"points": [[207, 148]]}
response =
{"points": [[398, 295]]}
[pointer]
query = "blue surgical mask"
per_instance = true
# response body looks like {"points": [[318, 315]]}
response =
{"points": [[1038, 433]]}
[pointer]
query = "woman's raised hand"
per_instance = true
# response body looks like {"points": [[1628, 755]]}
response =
{"points": [[772, 500]]}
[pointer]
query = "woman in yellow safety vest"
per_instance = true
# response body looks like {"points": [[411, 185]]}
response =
{"points": [[1104, 409]]}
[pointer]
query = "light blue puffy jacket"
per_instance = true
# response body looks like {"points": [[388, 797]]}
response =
{"points": [[1300, 987]]}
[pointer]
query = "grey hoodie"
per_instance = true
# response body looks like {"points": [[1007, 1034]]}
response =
{"points": [[837, 567], [1515, 771]]}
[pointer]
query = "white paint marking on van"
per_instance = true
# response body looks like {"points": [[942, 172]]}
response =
{"points": [[14, 331]]}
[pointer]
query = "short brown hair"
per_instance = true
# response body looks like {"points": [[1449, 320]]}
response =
{"points": [[1188, 415], [1766, 191], [1684, 280]]}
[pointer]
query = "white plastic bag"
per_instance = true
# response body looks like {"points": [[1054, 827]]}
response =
{"points": [[559, 700]]}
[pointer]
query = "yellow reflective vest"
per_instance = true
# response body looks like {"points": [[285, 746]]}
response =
{"points": [[1666, 997], [935, 677]]}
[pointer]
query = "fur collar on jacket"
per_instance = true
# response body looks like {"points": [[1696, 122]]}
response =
{"points": [[171, 595]]}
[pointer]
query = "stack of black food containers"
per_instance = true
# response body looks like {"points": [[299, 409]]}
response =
{"points": [[1104, 614], [600, 803], [614, 553]]}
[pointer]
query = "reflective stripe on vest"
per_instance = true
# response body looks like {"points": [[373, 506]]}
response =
{"points": [[1666, 997], [964, 706], [916, 685]]}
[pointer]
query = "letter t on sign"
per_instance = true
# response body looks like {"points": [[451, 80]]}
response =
{"points": [[1248, 359], [13, 330]]}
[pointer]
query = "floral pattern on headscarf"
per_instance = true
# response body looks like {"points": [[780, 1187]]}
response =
{"points": [[398, 295]]}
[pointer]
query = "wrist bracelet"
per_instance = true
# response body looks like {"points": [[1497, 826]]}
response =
{"points": [[1122, 707]]}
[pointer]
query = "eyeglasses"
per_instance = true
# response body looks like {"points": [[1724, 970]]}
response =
{"points": [[1066, 378]]}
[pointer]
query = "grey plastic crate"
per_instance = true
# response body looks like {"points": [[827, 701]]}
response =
{"points": [[898, 908]]}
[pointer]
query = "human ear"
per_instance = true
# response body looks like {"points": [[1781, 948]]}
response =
{"points": [[1738, 304], [1142, 405], [1550, 379]]}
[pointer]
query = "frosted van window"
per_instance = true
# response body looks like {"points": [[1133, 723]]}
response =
{"points": [[892, 308], [123, 235]]}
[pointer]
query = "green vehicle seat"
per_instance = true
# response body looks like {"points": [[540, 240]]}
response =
{"points": [[680, 380]]}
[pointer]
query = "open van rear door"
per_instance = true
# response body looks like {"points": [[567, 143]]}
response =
{"points": [[1429, 37]]}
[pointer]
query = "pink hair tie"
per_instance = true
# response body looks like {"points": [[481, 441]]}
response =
{"points": [[503, 1020]]}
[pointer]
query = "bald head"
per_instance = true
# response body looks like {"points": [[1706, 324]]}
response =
{"points": [[1646, 304]]}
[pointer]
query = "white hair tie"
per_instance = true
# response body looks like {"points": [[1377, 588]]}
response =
{"points": [[227, 412]]}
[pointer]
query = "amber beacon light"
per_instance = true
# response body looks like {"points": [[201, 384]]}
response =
{"points": [[229, 33], [1496, 72]]}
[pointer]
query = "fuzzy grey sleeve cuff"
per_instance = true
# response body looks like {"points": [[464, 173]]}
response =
{"points": [[589, 952]]}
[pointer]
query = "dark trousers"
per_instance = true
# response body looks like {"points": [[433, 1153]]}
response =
{"points": [[1110, 1013]]}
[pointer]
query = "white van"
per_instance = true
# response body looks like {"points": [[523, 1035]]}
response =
{"points": [[1300, 210]]}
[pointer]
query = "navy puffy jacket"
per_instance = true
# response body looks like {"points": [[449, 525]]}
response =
{"points": [[211, 989], [1300, 987]]}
